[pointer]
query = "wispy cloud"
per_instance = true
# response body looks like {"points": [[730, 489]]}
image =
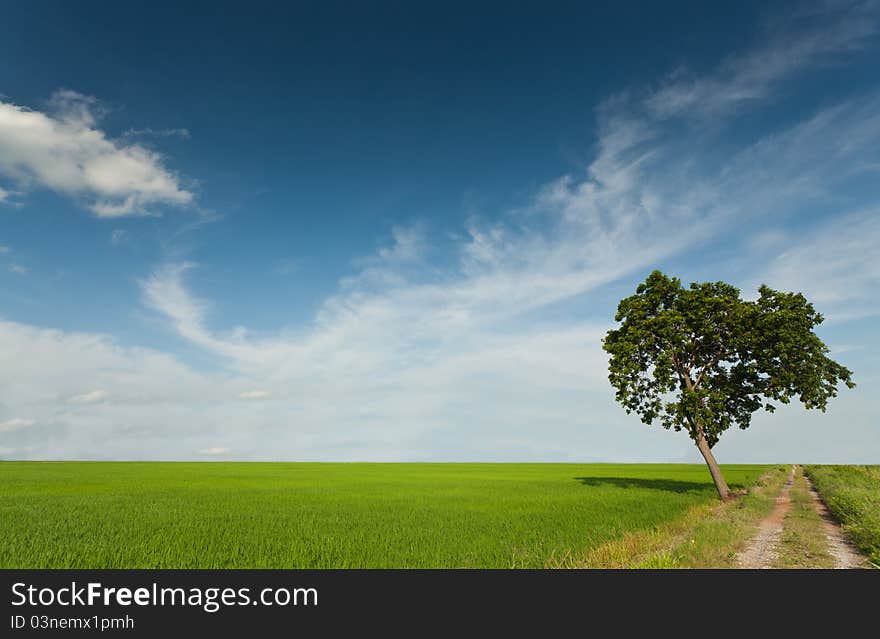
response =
{"points": [[818, 34], [18, 269], [835, 265], [15, 424], [255, 394], [91, 397], [157, 133], [4, 249], [213, 451], [406, 341], [66, 152], [165, 292]]}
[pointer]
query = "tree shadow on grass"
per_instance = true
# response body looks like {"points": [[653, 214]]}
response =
{"points": [[668, 485]]}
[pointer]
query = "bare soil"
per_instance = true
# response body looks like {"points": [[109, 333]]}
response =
{"points": [[761, 552]]}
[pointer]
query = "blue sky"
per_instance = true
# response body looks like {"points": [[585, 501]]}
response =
{"points": [[321, 232]]}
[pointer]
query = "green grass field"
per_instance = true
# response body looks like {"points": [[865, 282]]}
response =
{"points": [[305, 515], [853, 496]]}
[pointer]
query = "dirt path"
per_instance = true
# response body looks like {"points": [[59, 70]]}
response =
{"points": [[845, 555], [761, 552]]}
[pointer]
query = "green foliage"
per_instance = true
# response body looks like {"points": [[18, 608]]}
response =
{"points": [[310, 515], [702, 359], [852, 494]]}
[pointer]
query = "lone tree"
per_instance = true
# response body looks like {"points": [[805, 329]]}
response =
{"points": [[702, 358]]}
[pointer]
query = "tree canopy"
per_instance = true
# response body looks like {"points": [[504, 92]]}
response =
{"points": [[702, 359]]}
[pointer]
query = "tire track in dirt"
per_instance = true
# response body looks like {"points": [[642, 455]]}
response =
{"points": [[761, 551], [844, 553]]}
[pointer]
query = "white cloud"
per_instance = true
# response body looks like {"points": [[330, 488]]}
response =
{"points": [[158, 133], [408, 246], [255, 394], [91, 397], [5, 249], [799, 41], [14, 424], [118, 236], [18, 269], [402, 358], [65, 152], [164, 291], [407, 353], [835, 265], [161, 408], [214, 450], [68, 361], [4, 195], [389, 266]]}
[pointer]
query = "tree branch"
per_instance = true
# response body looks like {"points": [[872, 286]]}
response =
{"points": [[712, 363], [683, 374]]}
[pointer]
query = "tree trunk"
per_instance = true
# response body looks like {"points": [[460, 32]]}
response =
{"points": [[717, 477]]}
